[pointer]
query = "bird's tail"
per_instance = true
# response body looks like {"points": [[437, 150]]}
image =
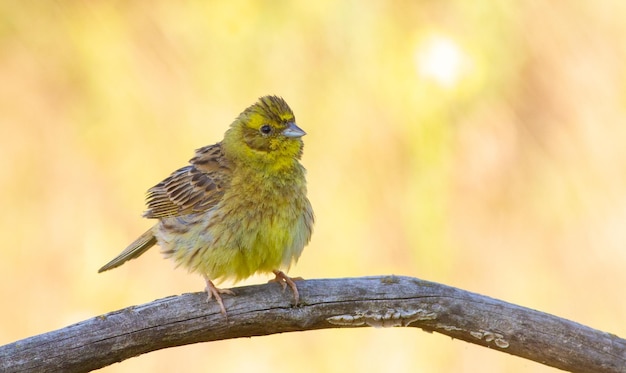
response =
{"points": [[135, 249]]}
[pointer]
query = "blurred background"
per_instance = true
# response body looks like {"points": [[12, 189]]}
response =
{"points": [[477, 144]]}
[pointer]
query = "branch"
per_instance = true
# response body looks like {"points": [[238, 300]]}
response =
{"points": [[332, 303]]}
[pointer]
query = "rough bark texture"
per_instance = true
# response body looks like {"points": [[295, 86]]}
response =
{"points": [[333, 303]]}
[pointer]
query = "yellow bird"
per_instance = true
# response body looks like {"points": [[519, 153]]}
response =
{"points": [[239, 208]]}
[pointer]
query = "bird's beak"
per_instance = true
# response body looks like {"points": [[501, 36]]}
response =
{"points": [[293, 131]]}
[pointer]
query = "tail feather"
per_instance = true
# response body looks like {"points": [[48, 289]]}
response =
{"points": [[135, 249]]}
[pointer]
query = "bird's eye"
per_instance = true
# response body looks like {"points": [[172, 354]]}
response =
{"points": [[266, 129]]}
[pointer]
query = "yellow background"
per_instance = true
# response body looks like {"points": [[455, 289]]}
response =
{"points": [[479, 144]]}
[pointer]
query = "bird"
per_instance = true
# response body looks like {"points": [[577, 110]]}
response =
{"points": [[239, 208]]}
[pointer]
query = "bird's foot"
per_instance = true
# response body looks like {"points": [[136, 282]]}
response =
{"points": [[285, 280], [213, 292]]}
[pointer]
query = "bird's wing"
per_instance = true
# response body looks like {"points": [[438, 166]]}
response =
{"points": [[194, 188]]}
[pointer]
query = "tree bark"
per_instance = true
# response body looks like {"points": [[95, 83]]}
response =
{"points": [[384, 301]]}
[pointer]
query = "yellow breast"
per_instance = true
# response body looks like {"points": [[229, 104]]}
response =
{"points": [[259, 226]]}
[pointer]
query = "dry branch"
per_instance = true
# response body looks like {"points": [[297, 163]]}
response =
{"points": [[332, 303]]}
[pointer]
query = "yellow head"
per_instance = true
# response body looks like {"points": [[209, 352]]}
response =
{"points": [[265, 133]]}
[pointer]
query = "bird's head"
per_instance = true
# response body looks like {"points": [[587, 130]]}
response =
{"points": [[265, 132]]}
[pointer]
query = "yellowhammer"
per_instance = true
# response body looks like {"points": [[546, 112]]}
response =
{"points": [[239, 208]]}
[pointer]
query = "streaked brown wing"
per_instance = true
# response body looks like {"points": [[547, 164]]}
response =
{"points": [[194, 188]]}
